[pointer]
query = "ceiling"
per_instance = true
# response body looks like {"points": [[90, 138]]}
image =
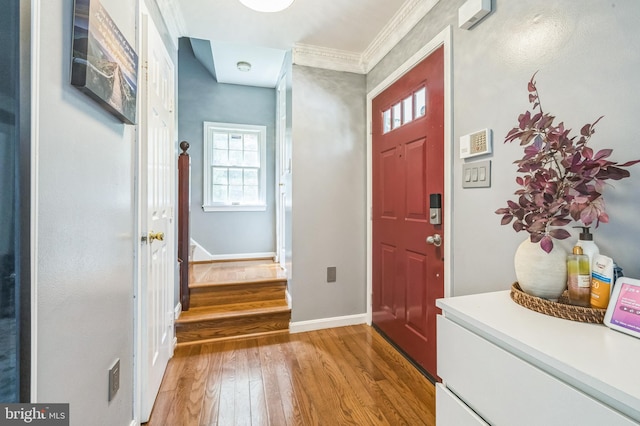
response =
{"points": [[345, 28]]}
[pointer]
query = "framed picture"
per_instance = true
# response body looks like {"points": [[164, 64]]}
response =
{"points": [[103, 64]]}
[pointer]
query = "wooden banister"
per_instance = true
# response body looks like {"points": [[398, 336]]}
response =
{"points": [[184, 165]]}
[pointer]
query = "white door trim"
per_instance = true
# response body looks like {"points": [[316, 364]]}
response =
{"points": [[442, 39]]}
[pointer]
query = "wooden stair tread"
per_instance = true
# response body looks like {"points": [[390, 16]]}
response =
{"points": [[235, 310], [282, 281]]}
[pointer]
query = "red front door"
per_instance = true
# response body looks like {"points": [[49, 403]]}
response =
{"points": [[408, 166]]}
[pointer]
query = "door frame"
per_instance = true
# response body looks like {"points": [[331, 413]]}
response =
{"points": [[442, 39]]}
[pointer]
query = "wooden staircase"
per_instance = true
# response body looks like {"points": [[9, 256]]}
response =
{"points": [[232, 300]]}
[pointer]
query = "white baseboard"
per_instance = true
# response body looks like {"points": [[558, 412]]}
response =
{"points": [[322, 323], [200, 254], [177, 311], [134, 423], [242, 256]]}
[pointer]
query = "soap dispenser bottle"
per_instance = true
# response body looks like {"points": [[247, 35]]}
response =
{"points": [[585, 241], [579, 278]]}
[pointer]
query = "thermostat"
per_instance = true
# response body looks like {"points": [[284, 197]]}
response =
{"points": [[477, 143]]}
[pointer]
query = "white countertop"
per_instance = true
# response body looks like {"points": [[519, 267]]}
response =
{"points": [[601, 362]]}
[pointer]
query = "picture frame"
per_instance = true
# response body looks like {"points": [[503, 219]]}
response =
{"points": [[104, 66], [623, 311]]}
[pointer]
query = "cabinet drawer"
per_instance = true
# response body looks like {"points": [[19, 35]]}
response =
{"points": [[450, 411], [505, 390]]}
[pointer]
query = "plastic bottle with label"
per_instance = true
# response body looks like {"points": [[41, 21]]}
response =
{"points": [[585, 240], [579, 278]]}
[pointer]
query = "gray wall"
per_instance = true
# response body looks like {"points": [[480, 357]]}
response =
{"points": [[85, 232], [329, 193], [200, 99], [587, 56]]}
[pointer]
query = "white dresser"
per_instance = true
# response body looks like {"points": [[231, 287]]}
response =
{"points": [[505, 365]]}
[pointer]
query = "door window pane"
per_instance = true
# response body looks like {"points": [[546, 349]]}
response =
{"points": [[407, 110], [386, 121], [420, 102], [397, 115]]}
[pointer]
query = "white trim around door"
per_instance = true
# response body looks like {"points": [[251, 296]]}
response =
{"points": [[442, 39]]}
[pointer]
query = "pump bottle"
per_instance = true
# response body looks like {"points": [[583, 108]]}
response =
{"points": [[585, 241]]}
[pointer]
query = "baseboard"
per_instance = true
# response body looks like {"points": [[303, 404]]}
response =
{"points": [[134, 423], [243, 256], [177, 311], [322, 323]]}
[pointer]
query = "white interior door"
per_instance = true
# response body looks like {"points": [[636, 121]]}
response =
{"points": [[157, 204], [282, 168]]}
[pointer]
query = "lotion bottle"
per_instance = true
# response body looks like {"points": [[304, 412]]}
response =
{"points": [[585, 240], [579, 278]]}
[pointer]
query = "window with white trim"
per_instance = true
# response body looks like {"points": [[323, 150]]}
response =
{"points": [[234, 167]]}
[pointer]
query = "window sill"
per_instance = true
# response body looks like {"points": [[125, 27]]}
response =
{"points": [[239, 208]]}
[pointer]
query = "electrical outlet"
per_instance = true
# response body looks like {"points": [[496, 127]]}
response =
{"points": [[331, 274], [114, 379]]}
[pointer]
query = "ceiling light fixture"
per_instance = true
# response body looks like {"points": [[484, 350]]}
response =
{"points": [[244, 66], [267, 5]]}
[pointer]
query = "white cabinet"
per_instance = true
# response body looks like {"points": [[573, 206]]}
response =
{"points": [[502, 364]]}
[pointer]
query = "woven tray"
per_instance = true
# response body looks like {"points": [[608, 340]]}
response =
{"points": [[560, 309]]}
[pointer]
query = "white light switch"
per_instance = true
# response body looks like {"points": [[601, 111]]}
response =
{"points": [[476, 174]]}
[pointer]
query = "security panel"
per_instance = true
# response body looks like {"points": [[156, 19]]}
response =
{"points": [[477, 143], [472, 11]]}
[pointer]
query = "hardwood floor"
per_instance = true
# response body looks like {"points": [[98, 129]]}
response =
{"points": [[340, 376], [233, 272]]}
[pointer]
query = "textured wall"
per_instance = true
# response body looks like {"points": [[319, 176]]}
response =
{"points": [[200, 99], [329, 193], [587, 56], [85, 232]]}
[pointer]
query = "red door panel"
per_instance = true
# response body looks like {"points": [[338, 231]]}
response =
{"points": [[408, 165]]}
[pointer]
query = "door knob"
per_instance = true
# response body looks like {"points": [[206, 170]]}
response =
{"points": [[435, 239], [156, 236]]}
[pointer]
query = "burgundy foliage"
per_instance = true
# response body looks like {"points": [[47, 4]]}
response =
{"points": [[562, 178]]}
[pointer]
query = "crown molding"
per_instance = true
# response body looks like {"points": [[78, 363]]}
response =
{"points": [[323, 57], [411, 12], [173, 19]]}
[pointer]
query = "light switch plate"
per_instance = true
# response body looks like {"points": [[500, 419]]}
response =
{"points": [[476, 174]]}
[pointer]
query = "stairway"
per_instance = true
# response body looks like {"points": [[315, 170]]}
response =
{"points": [[233, 300]]}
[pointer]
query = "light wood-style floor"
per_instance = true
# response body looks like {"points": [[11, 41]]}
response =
{"points": [[236, 271], [340, 376]]}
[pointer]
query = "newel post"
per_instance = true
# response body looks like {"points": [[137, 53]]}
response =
{"points": [[184, 165]]}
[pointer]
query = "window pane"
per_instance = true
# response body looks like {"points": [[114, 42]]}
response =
{"points": [[219, 193], [220, 176], [420, 96], [250, 142], [386, 121], [252, 158], [235, 141], [397, 110], [235, 177], [251, 194], [407, 110], [220, 157], [251, 177], [220, 141], [235, 193], [235, 158]]}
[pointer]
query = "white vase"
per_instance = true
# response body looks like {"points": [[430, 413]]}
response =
{"points": [[540, 273]]}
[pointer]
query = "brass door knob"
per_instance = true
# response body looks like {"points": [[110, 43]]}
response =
{"points": [[156, 236]]}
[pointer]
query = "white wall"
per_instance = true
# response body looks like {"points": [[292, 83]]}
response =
{"points": [[329, 194], [587, 56], [85, 232]]}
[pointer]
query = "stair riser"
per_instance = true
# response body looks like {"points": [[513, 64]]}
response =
{"points": [[227, 294], [227, 327]]}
